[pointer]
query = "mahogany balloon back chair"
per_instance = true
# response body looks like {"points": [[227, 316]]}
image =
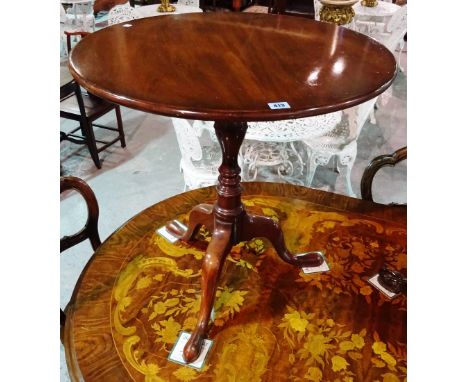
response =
{"points": [[374, 166], [90, 229]]}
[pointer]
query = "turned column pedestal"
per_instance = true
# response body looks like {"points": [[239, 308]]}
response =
{"points": [[230, 224]]}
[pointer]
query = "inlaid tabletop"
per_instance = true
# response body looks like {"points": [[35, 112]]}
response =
{"points": [[271, 322], [230, 66]]}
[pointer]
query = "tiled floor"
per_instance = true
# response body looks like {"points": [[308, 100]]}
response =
{"points": [[147, 171]]}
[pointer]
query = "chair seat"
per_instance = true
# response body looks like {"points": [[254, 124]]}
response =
{"points": [[256, 9], [94, 106]]}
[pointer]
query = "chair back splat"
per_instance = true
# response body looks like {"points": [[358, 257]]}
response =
{"points": [[89, 231], [375, 165], [121, 13]]}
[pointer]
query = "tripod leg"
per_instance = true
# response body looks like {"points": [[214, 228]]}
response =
{"points": [[219, 247], [199, 215], [262, 226]]}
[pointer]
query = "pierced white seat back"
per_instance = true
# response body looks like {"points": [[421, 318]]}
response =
{"points": [[121, 13], [199, 164], [396, 28]]}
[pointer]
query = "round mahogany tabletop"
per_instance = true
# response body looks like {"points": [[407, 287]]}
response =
{"points": [[272, 321], [230, 66]]}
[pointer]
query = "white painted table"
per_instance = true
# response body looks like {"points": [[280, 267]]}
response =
{"points": [[373, 20], [272, 144], [87, 20], [76, 1], [152, 10], [382, 11]]}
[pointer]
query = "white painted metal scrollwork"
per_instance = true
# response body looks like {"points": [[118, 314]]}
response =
{"points": [[199, 163], [288, 130], [390, 33], [396, 30], [260, 154], [293, 129], [341, 141], [271, 144], [121, 13], [85, 20]]}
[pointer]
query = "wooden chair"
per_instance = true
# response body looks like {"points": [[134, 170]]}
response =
{"points": [[303, 8], [70, 29], [86, 108], [70, 34], [375, 165], [90, 230]]}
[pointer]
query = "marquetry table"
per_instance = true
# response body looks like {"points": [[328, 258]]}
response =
{"points": [[232, 68], [271, 322]]}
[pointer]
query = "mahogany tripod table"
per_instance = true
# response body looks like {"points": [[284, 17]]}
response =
{"points": [[232, 68]]}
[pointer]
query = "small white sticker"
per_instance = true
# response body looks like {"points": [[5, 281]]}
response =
{"points": [[279, 105], [375, 283], [321, 268], [177, 353], [169, 236]]}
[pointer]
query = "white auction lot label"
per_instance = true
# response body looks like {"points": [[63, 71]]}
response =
{"points": [[177, 353], [279, 105], [374, 281]]}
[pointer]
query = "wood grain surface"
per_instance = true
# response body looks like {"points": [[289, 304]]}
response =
{"points": [[229, 66], [272, 322]]}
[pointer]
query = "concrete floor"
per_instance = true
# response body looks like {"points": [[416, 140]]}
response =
{"points": [[147, 171]]}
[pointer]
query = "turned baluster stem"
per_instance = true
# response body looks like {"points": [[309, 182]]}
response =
{"points": [[228, 207]]}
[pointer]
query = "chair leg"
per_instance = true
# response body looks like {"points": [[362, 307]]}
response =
{"points": [[347, 159], [63, 318], [372, 116], [399, 59], [349, 187], [68, 44], [120, 126], [91, 142], [315, 158]]}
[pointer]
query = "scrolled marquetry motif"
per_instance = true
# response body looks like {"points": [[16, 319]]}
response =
{"points": [[154, 300], [338, 15], [369, 3], [271, 321]]}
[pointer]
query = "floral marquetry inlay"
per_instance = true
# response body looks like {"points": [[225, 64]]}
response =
{"points": [[271, 321]]}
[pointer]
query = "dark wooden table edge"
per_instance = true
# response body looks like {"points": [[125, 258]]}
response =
{"points": [[206, 114], [224, 115]]}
